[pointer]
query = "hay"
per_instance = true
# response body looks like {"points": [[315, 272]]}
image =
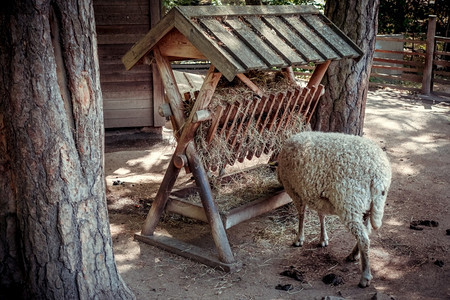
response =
{"points": [[242, 188], [252, 137]]}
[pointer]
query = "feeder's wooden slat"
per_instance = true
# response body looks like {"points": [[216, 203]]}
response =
{"points": [[187, 250], [255, 208], [241, 153], [237, 48], [296, 108], [273, 116], [236, 136], [308, 102], [275, 119], [227, 114], [275, 42], [315, 101], [255, 42], [315, 41], [290, 95], [214, 124], [214, 219], [279, 26], [236, 108], [263, 105], [260, 147]]}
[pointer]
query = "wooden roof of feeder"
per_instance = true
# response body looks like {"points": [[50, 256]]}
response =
{"points": [[236, 39]]}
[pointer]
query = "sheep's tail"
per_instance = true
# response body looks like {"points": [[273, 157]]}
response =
{"points": [[376, 213]]}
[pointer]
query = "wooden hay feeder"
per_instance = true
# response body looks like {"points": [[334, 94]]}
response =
{"points": [[234, 40]]}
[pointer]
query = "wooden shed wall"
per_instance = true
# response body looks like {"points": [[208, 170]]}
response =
{"points": [[127, 95]]}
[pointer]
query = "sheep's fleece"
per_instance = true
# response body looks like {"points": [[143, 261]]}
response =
{"points": [[338, 174]]}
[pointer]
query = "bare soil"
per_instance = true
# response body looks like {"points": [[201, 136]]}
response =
{"points": [[409, 259]]}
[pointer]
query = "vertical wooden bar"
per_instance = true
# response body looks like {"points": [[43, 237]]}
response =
{"points": [[158, 88], [170, 85], [215, 221], [429, 55]]}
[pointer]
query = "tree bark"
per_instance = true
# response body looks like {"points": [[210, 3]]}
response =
{"points": [[342, 107], [55, 241]]}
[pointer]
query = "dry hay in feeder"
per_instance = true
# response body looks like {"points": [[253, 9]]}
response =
{"points": [[241, 188], [254, 137]]}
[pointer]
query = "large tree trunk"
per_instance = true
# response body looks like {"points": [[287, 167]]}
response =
{"points": [[342, 106], [55, 241]]}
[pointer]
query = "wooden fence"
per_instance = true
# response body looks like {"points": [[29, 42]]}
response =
{"points": [[419, 65], [423, 63]]}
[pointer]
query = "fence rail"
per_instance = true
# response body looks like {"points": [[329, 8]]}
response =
{"points": [[427, 63]]}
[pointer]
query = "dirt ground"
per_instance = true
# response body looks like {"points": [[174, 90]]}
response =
{"points": [[408, 262]]}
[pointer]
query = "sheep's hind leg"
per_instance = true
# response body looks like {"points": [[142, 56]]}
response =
{"points": [[358, 229], [354, 255], [323, 231], [301, 218]]}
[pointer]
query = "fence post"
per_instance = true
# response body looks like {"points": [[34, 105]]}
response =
{"points": [[429, 55]]}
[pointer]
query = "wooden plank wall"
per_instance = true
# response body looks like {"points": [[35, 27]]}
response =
{"points": [[127, 95]]}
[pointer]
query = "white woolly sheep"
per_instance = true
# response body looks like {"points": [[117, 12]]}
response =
{"points": [[337, 174]]}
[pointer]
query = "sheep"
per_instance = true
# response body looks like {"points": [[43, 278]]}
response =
{"points": [[337, 174]]}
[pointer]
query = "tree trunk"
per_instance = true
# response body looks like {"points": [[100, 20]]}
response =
{"points": [[342, 107], [55, 241]]}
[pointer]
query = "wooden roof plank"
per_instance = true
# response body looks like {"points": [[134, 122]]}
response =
{"points": [[234, 45], [220, 11], [297, 42], [255, 42], [275, 42], [335, 40], [223, 61], [314, 40]]}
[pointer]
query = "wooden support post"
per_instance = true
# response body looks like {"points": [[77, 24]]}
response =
{"points": [[160, 201], [429, 56], [250, 84], [214, 219], [170, 85], [158, 88], [290, 74], [318, 74]]}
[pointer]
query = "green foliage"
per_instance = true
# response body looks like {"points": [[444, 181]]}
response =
{"points": [[400, 16], [168, 4]]}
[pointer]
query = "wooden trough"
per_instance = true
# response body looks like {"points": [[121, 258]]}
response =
{"points": [[235, 40]]}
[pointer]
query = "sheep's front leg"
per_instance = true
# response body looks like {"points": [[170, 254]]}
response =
{"points": [[323, 231], [301, 218]]}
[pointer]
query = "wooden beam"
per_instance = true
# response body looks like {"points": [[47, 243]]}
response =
{"points": [[318, 74], [170, 85], [189, 251], [250, 84]]}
